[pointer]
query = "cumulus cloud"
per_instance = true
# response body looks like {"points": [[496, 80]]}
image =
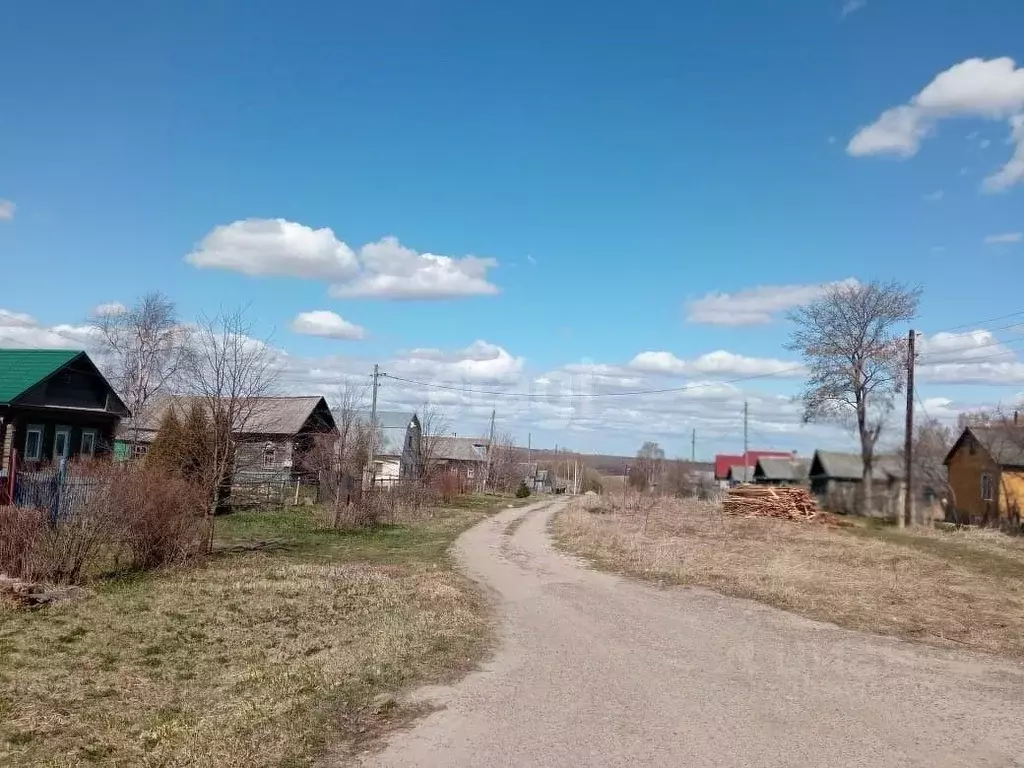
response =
{"points": [[1006, 238], [755, 306], [7, 208], [481, 361], [109, 308], [968, 357], [392, 271], [322, 322], [987, 89], [18, 329], [385, 269], [718, 363]]}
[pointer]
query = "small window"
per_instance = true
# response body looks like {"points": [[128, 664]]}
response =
{"points": [[987, 487], [469, 473], [269, 457], [139, 450], [33, 442], [88, 447], [61, 443]]}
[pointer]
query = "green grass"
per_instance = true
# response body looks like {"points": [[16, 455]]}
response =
{"points": [[269, 654]]}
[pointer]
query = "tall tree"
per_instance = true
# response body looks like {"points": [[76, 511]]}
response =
{"points": [[851, 340], [433, 426], [144, 349], [230, 375], [647, 471]]}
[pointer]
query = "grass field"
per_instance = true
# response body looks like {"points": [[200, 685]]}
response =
{"points": [[962, 589], [286, 644]]}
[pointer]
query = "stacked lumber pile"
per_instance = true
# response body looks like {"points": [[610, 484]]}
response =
{"points": [[768, 501], [26, 594]]}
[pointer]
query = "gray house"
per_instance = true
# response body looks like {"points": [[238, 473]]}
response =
{"points": [[771, 470], [274, 441], [836, 477]]}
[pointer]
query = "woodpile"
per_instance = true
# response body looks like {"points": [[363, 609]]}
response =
{"points": [[768, 501], [26, 594]]}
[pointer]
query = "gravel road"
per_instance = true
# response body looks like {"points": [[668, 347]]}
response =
{"points": [[598, 670]]}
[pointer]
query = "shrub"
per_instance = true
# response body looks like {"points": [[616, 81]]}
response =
{"points": [[144, 513], [523, 491]]}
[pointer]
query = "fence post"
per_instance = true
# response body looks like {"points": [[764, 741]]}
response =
{"points": [[58, 485]]}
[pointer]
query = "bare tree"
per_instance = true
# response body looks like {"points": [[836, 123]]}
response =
{"points": [[230, 374], [647, 471], [434, 425], [505, 474], [143, 350], [855, 357], [932, 441]]}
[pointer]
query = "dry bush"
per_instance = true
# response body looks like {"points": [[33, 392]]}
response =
{"points": [[163, 517], [449, 485], [140, 514], [960, 589], [22, 536]]}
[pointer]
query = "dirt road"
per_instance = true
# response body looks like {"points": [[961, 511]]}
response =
{"points": [[597, 670]]}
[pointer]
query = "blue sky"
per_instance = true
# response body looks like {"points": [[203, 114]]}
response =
{"points": [[609, 165]]}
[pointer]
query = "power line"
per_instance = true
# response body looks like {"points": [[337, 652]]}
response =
{"points": [[590, 395], [981, 322], [969, 360]]}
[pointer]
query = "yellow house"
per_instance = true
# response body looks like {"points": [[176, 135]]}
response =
{"points": [[986, 474]]}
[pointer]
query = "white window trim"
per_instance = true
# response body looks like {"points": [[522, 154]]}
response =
{"points": [[65, 430], [988, 487], [41, 430], [94, 434]]}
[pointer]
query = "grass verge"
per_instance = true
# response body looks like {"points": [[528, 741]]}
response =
{"points": [[285, 643], [962, 589]]}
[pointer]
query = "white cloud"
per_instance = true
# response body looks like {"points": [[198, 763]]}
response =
{"points": [[479, 362], [718, 363], [985, 143], [325, 323], [24, 331], [755, 306], [1013, 171], [934, 197], [392, 271], [385, 269], [851, 6], [987, 89], [275, 247], [968, 357], [109, 308], [1005, 238], [7, 209]]}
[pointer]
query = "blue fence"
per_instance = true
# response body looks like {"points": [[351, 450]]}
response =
{"points": [[58, 490]]}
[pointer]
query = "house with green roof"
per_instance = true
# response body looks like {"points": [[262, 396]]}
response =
{"points": [[54, 404]]}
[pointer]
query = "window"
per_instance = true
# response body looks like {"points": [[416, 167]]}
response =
{"points": [[88, 447], [61, 443], [469, 473], [33, 442], [140, 450], [269, 456], [987, 487]]}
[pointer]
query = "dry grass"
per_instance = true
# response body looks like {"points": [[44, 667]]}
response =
{"points": [[268, 655], [960, 589]]}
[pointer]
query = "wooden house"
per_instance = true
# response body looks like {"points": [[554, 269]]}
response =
{"points": [[54, 404], [986, 475]]}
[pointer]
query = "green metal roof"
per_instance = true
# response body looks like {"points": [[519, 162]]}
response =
{"points": [[22, 369]]}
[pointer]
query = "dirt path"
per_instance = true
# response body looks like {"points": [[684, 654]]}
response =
{"points": [[597, 670]]}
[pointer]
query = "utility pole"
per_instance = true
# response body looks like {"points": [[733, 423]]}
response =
{"points": [[746, 443], [693, 446], [490, 447], [373, 424], [908, 447], [625, 485]]}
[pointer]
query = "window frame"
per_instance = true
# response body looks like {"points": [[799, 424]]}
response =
{"points": [[39, 429], [61, 429], [269, 450], [988, 486], [93, 434]]}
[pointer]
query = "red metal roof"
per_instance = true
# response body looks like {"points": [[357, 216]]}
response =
{"points": [[725, 460]]}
